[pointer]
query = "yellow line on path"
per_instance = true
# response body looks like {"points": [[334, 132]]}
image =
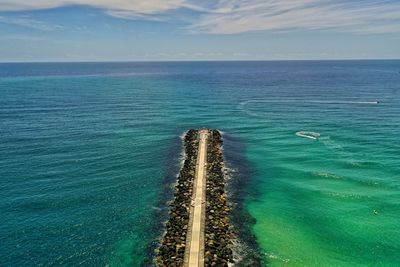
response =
{"points": [[194, 254]]}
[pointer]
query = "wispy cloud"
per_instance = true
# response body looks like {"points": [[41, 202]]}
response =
{"points": [[184, 55], [357, 16], [125, 14], [29, 23], [238, 16], [16, 37]]}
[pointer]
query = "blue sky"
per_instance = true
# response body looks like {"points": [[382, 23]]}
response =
{"points": [[158, 30]]}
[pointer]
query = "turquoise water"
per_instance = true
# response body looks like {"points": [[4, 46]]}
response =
{"points": [[89, 152]]}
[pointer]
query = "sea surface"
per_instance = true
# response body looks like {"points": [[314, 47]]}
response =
{"points": [[89, 153]]}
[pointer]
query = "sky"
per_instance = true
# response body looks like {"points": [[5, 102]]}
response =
{"points": [[164, 30]]}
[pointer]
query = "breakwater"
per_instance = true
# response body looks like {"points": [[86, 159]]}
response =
{"points": [[198, 232]]}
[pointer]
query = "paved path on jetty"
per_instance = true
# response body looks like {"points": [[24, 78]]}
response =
{"points": [[194, 254]]}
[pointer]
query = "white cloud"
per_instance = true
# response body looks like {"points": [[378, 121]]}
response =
{"points": [[134, 6], [237, 16]]}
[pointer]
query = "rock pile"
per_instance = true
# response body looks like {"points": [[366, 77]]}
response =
{"points": [[172, 248], [218, 233]]}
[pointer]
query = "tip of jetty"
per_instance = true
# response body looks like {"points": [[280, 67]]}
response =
{"points": [[198, 232]]}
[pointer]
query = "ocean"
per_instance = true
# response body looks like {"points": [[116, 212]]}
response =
{"points": [[89, 153]]}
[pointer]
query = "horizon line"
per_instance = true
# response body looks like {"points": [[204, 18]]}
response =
{"points": [[195, 60]]}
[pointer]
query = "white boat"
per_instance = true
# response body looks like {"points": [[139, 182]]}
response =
{"points": [[310, 135]]}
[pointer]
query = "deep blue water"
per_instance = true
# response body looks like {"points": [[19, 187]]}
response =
{"points": [[89, 153]]}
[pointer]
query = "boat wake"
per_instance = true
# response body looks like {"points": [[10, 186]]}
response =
{"points": [[261, 112], [333, 146], [302, 101], [310, 135]]}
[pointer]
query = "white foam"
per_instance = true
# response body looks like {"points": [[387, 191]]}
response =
{"points": [[183, 135]]}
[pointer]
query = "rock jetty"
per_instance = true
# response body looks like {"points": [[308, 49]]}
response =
{"points": [[218, 234]]}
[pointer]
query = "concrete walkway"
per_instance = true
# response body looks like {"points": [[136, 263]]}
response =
{"points": [[194, 253]]}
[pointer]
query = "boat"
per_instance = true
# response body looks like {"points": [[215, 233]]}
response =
{"points": [[310, 135]]}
